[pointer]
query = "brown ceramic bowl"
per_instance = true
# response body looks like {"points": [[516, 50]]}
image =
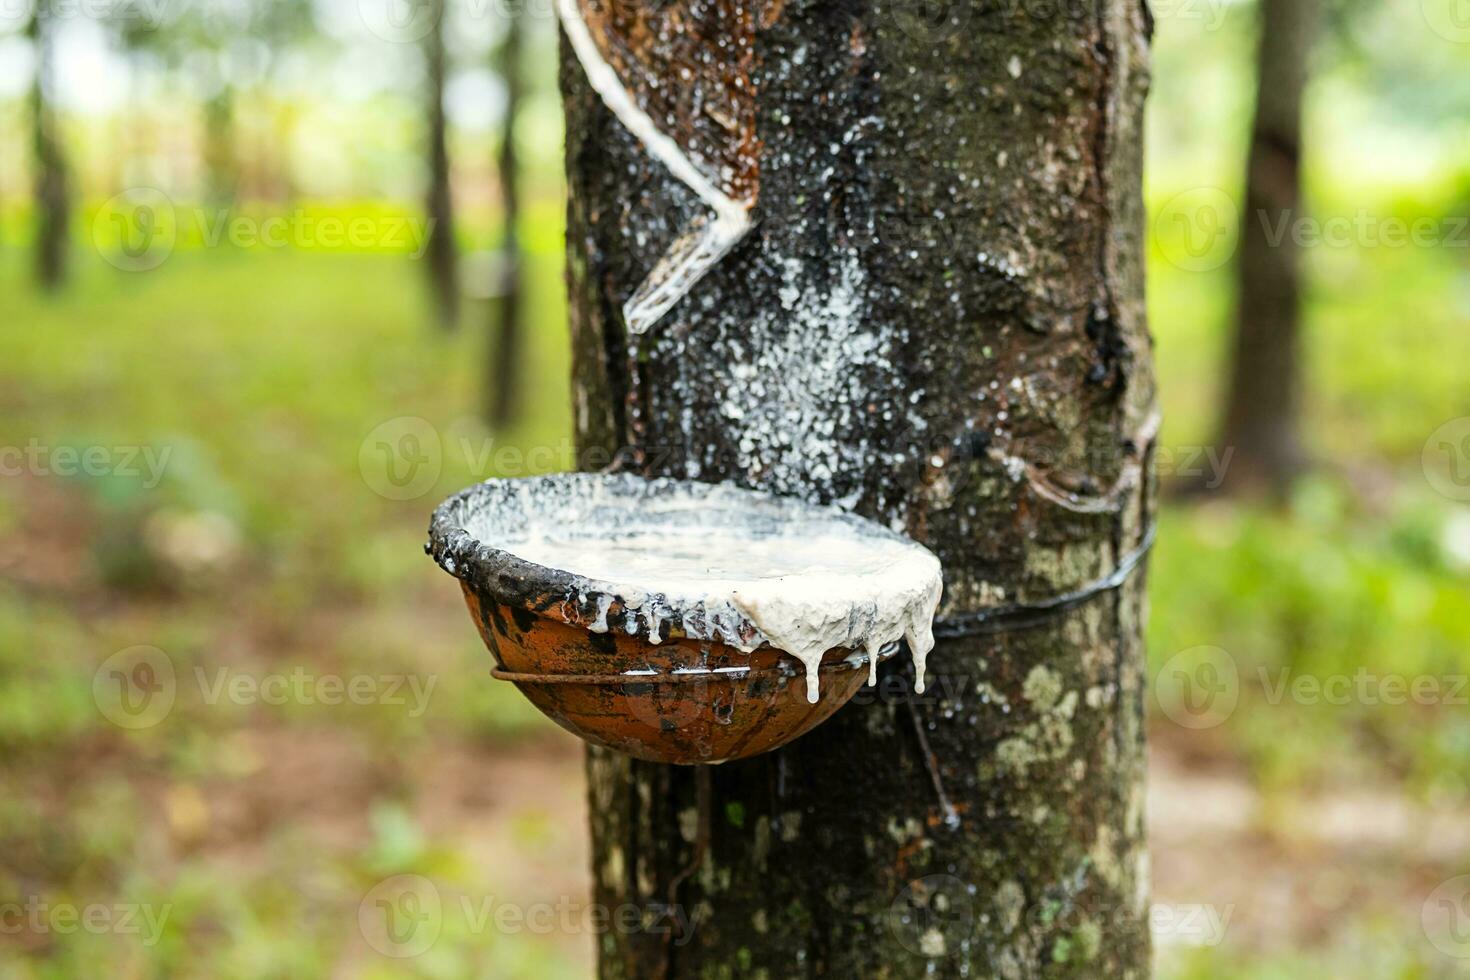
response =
{"points": [[596, 665]]}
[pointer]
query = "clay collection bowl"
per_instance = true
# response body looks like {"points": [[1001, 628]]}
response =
{"points": [[615, 665]]}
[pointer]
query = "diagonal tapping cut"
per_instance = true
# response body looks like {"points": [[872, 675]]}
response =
{"points": [[705, 240]]}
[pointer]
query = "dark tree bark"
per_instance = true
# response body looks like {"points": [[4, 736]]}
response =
{"points": [[505, 348], [1263, 409], [938, 322], [441, 255], [52, 201]]}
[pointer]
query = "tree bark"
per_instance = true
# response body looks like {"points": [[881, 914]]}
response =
{"points": [[52, 201], [441, 254], [938, 322], [506, 330], [1263, 410]]}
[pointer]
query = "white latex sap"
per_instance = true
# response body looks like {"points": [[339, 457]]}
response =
{"points": [[809, 580]]}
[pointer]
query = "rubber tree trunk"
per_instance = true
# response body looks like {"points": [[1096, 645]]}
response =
{"points": [[937, 322], [441, 254], [1263, 411], [52, 203], [504, 388]]}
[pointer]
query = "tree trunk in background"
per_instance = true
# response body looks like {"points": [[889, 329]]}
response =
{"points": [[220, 166], [52, 203], [441, 254], [939, 323], [1263, 411], [505, 345]]}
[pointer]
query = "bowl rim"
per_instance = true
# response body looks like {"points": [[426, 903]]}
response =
{"points": [[576, 600]]}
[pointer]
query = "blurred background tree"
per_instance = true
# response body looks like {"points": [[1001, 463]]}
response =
{"points": [[503, 382], [442, 257], [52, 197], [1262, 421]]}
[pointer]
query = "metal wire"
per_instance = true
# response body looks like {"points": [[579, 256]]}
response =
{"points": [[1029, 615], [686, 675]]}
